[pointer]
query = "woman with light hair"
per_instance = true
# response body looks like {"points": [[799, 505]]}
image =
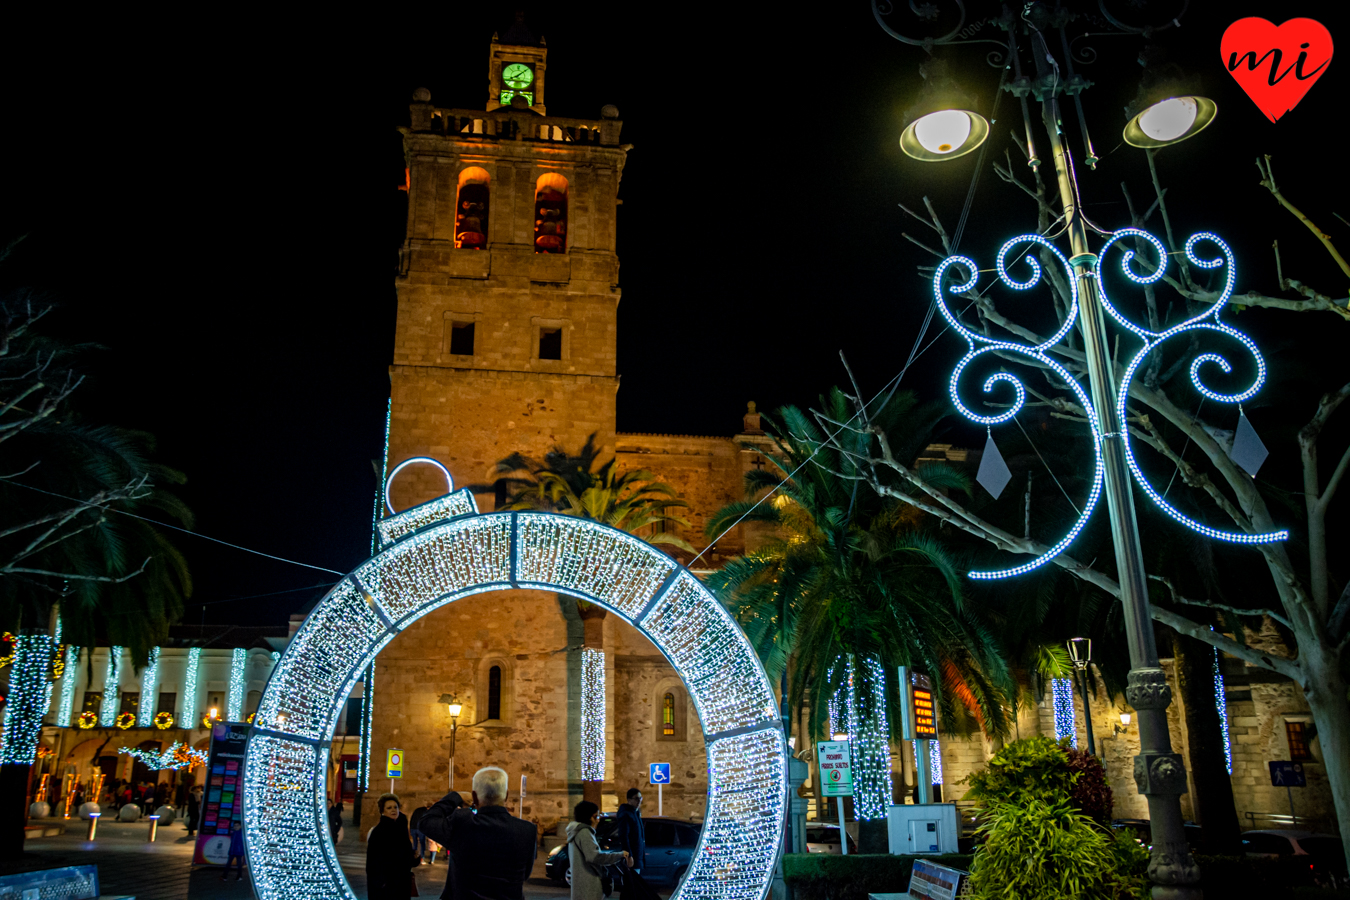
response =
{"points": [[585, 858]]}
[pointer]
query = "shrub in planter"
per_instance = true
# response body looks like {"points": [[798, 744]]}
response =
{"points": [[1034, 768], [1048, 850], [1090, 792]]}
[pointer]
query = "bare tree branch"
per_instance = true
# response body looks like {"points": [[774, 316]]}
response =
{"points": [[1278, 617]]}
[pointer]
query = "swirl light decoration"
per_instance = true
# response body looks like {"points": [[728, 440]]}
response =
{"points": [[461, 554], [981, 346]]}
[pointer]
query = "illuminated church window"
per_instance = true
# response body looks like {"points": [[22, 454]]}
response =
{"points": [[550, 214], [668, 715], [471, 209]]}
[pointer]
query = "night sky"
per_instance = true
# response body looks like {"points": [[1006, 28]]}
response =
{"points": [[215, 202]]}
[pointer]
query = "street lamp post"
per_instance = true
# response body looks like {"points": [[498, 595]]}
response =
{"points": [[1159, 773], [1080, 651], [455, 708]]}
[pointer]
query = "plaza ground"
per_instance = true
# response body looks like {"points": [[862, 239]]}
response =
{"points": [[129, 865]]}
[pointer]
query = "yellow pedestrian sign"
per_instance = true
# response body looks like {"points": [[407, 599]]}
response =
{"points": [[394, 767]]}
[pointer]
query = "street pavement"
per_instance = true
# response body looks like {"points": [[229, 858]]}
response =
{"points": [[129, 865]]}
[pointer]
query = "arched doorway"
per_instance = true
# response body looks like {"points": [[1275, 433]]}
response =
{"points": [[444, 550]]}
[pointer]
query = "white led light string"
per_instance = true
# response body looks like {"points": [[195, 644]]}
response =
{"points": [[980, 345], [69, 677], [194, 658], [145, 713], [234, 706], [1062, 689], [592, 714], [112, 691], [28, 698], [292, 854]]}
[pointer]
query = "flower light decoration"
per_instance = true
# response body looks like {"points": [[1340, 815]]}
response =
{"points": [[124, 721], [163, 720], [982, 346], [87, 720], [422, 565], [8, 644]]}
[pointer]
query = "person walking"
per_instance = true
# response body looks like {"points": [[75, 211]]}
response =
{"points": [[194, 809], [629, 833], [584, 856], [389, 854], [414, 822], [236, 852], [490, 851], [335, 821]]}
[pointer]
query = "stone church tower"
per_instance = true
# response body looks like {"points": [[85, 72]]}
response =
{"points": [[508, 282]]}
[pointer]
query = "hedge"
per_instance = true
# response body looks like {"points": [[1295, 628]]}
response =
{"points": [[821, 876]]}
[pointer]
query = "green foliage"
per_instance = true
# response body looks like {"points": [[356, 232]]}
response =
{"points": [[820, 876], [1039, 850], [1032, 769]]}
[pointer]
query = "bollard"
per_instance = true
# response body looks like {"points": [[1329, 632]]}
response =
{"points": [[154, 827], [93, 826]]}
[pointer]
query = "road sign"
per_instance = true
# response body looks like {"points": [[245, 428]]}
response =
{"points": [[1287, 774], [658, 773], [836, 775], [394, 766]]}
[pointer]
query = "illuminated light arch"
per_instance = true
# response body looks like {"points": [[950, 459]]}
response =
{"points": [[444, 550]]}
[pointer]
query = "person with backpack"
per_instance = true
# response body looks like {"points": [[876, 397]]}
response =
{"points": [[585, 858]]}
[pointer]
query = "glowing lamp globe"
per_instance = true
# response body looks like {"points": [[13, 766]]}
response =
{"points": [[1170, 121], [455, 710], [944, 134], [1125, 718]]}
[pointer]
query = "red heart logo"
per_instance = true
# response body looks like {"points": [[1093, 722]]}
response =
{"points": [[1276, 64]]}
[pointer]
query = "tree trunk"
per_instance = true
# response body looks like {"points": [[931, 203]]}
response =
{"points": [[1213, 795], [1325, 689]]}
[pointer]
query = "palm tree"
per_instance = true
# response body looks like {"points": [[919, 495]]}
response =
{"points": [[853, 588], [77, 565], [582, 486]]}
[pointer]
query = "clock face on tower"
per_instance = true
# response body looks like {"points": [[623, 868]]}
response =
{"points": [[517, 76]]}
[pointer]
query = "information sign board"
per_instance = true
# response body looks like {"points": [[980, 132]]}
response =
{"points": [[658, 773], [836, 774], [394, 765], [222, 803], [1284, 773], [918, 712]]}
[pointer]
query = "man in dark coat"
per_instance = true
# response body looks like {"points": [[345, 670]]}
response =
{"points": [[629, 833], [491, 851]]}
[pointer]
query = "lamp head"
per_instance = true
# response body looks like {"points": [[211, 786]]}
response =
{"points": [[1125, 719], [452, 704], [1169, 107], [1080, 651], [941, 125]]}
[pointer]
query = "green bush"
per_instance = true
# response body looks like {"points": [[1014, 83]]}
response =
{"points": [[819, 876], [1039, 850], [1090, 793], [1034, 768]]}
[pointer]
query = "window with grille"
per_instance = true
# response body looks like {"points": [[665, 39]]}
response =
{"points": [[1297, 732]]}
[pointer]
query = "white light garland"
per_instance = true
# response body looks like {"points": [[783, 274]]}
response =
{"points": [[981, 345], [934, 760], [112, 689], [367, 716], [70, 676], [291, 853], [145, 714], [1221, 706], [1062, 689], [234, 704], [868, 736], [592, 714], [189, 713], [28, 699]]}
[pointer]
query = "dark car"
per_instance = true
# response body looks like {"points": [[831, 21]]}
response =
{"points": [[670, 847]]}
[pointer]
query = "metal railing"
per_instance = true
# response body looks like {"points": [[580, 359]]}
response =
{"points": [[1260, 820]]}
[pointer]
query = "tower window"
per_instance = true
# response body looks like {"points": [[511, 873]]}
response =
{"points": [[1297, 732], [494, 710], [461, 338], [550, 215], [471, 210], [668, 714], [550, 343]]}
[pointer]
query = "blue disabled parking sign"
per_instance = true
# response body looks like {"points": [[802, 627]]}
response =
{"points": [[659, 774]]}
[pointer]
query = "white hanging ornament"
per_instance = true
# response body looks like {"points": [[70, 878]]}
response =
{"points": [[993, 474], [1249, 451]]}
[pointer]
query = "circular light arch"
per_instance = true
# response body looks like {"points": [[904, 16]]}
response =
{"points": [[444, 550]]}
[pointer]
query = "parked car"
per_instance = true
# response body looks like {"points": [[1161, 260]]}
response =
{"points": [[1141, 830], [670, 847], [1325, 853], [822, 837]]}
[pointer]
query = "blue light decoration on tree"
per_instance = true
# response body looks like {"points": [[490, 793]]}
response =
{"points": [[1062, 688], [112, 689], [69, 676], [28, 698], [859, 710], [194, 659], [145, 713], [234, 705], [934, 760], [1221, 705], [982, 347]]}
